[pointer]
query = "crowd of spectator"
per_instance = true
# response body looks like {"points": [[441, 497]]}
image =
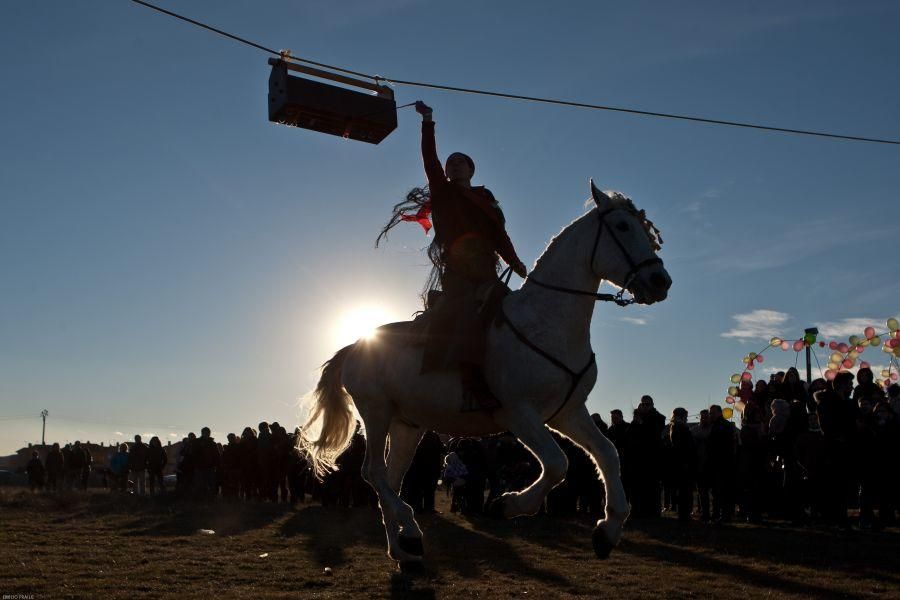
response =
{"points": [[804, 453]]}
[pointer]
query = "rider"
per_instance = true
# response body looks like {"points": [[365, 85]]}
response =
{"points": [[469, 231]]}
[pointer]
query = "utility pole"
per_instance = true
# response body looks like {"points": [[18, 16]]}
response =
{"points": [[44, 414], [809, 338]]}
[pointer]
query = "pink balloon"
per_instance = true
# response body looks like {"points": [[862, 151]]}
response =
{"points": [[864, 365], [860, 349], [746, 376], [894, 376], [833, 345], [750, 367], [760, 359], [798, 345], [848, 363], [729, 400], [893, 343], [830, 374], [843, 348], [870, 332], [785, 345]]}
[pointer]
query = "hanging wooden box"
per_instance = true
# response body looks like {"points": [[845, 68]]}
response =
{"points": [[328, 108]]}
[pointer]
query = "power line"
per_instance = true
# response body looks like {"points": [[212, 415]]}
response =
{"points": [[509, 96]]}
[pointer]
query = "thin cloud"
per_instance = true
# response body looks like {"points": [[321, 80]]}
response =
{"points": [[846, 327], [635, 320], [118, 433], [758, 324]]}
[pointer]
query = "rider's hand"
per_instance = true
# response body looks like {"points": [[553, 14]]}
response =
{"points": [[520, 270], [423, 109]]}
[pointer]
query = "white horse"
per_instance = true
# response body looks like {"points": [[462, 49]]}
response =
{"points": [[539, 364]]}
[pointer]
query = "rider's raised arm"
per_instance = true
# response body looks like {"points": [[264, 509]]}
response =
{"points": [[433, 169]]}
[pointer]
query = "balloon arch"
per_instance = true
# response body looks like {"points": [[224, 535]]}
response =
{"points": [[844, 356]]}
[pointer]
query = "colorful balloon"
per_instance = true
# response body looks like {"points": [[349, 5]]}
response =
{"points": [[842, 347], [750, 366], [727, 412], [885, 373], [821, 344], [760, 359], [833, 345], [848, 363], [733, 391], [798, 345], [869, 332], [853, 354], [892, 324], [854, 340], [746, 360], [864, 365], [876, 340], [836, 357], [729, 400], [746, 376], [894, 376], [830, 374], [775, 341], [735, 378], [785, 345]]}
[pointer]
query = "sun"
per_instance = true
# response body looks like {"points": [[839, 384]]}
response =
{"points": [[361, 323]]}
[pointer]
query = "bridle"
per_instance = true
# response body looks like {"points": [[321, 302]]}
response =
{"points": [[633, 267]]}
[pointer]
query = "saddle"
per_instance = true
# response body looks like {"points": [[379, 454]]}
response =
{"points": [[437, 328]]}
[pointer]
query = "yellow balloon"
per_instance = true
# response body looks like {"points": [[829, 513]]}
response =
{"points": [[732, 391], [735, 378], [853, 354], [727, 412], [776, 341], [887, 349], [885, 373], [875, 341], [752, 355], [893, 324], [836, 357], [746, 360]]}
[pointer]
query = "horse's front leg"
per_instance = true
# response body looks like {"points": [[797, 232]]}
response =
{"points": [[530, 430], [403, 441], [396, 514], [577, 425]]}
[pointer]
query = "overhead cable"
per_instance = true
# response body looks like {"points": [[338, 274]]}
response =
{"points": [[448, 88]]}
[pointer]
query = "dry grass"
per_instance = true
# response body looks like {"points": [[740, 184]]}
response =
{"points": [[97, 545]]}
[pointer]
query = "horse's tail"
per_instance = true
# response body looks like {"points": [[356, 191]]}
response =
{"points": [[332, 405]]}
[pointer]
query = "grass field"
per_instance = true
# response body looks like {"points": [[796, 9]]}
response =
{"points": [[99, 546]]}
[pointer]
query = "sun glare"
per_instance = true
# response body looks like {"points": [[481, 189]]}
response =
{"points": [[361, 323]]}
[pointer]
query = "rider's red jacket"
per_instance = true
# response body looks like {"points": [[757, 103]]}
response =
{"points": [[468, 222]]}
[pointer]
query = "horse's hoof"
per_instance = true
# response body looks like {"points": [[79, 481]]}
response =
{"points": [[495, 508], [602, 545], [411, 545]]}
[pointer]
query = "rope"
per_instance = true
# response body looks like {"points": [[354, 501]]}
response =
{"points": [[448, 88]]}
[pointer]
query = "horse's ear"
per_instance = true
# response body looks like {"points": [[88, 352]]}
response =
{"points": [[600, 198]]}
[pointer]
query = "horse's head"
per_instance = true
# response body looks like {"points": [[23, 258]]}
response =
{"points": [[625, 249]]}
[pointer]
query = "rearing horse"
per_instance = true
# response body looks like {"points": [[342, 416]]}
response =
{"points": [[539, 364]]}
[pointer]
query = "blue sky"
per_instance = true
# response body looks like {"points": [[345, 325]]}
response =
{"points": [[170, 259]]}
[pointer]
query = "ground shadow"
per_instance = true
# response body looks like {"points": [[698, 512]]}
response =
{"points": [[330, 531]]}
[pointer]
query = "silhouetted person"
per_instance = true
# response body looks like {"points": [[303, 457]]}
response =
{"points": [[185, 466], [156, 462], [249, 464], [118, 467], [36, 472], [683, 463], [206, 454], [231, 468], [837, 417], [469, 233], [701, 433], [137, 465], [421, 479], [87, 466], [55, 468], [618, 435], [720, 455]]}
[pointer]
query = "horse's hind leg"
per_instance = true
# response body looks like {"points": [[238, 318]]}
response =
{"points": [[532, 433], [402, 445], [577, 425], [394, 511]]}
